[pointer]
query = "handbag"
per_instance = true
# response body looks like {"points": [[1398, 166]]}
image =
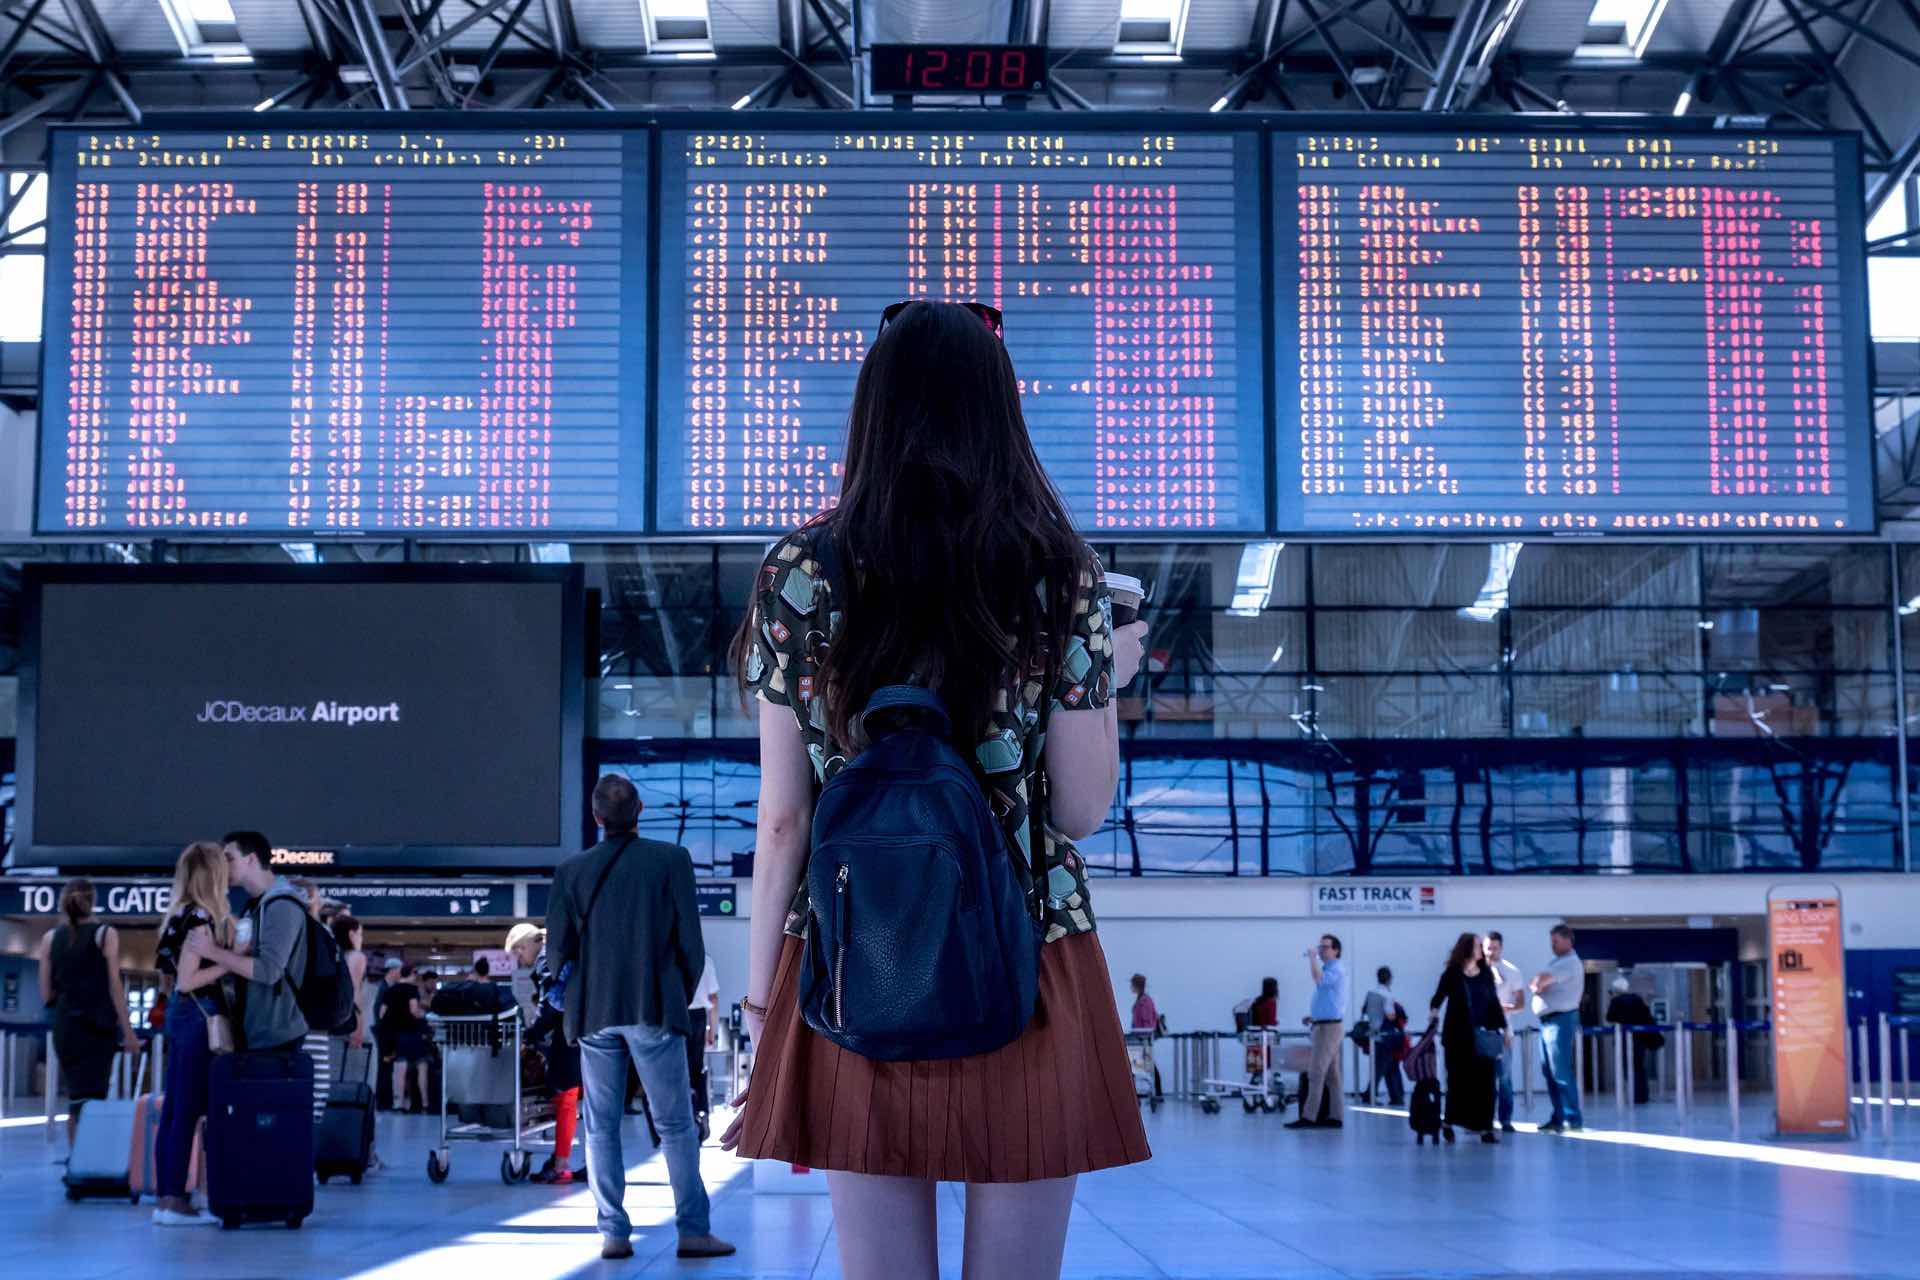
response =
{"points": [[219, 1028], [1488, 1043]]}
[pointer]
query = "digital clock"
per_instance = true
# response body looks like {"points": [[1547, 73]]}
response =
{"points": [[958, 68]]}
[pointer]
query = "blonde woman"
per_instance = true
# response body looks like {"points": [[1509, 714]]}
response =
{"points": [[199, 995]]}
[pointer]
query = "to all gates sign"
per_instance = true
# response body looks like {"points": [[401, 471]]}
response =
{"points": [[1365, 898], [1809, 1015], [110, 898]]}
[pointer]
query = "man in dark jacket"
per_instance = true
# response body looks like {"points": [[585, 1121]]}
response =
{"points": [[1628, 1009], [624, 912]]}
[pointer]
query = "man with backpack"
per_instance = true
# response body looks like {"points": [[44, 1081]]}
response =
{"points": [[272, 955], [624, 913]]}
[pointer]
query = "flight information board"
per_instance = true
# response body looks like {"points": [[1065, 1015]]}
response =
{"points": [[1127, 265], [402, 330], [1493, 333]]}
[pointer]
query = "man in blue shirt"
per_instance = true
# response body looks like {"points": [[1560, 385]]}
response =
{"points": [[1329, 1013]]}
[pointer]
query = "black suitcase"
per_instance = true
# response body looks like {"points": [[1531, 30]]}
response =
{"points": [[343, 1144], [1423, 1116], [260, 1138]]}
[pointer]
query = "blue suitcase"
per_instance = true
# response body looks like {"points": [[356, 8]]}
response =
{"points": [[260, 1138]]}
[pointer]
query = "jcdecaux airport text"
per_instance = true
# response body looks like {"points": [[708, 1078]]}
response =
{"points": [[232, 711]]}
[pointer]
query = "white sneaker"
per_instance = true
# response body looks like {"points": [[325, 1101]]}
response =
{"points": [[174, 1218]]}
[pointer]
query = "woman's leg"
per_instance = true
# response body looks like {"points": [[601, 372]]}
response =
{"points": [[189, 1067], [566, 1118], [426, 1095], [1017, 1230], [885, 1227], [399, 1084]]}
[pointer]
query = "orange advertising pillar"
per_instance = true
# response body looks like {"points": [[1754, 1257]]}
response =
{"points": [[1807, 959]]}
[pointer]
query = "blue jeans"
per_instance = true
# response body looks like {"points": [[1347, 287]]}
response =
{"points": [[1557, 1031], [1503, 1088], [189, 1072], [661, 1058]]}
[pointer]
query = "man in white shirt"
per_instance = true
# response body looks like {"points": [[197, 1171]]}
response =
{"points": [[1384, 1015], [1556, 1002], [1511, 990]]}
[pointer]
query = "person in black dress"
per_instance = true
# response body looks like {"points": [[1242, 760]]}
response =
{"points": [[80, 986], [1472, 1005]]}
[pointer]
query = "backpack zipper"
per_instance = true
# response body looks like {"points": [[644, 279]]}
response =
{"points": [[840, 949]]}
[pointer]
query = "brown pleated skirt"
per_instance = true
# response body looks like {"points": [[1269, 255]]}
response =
{"points": [[1057, 1101]]}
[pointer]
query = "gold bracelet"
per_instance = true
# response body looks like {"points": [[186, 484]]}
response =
{"points": [[758, 1011]]}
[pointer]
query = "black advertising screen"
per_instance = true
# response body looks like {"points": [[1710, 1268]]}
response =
{"points": [[1127, 265], [387, 717], [1505, 333], [401, 329]]}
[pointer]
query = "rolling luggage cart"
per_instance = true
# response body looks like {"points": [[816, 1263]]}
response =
{"points": [[1140, 1059], [496, 1033], [1265, 1088]]}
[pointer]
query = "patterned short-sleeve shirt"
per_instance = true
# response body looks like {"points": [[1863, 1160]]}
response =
{"points": [[794, 619]]}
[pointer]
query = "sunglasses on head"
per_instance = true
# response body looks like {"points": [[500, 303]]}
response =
{"points": [[989, 316]]}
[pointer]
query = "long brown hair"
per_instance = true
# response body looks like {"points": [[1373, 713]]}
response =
{"points": [[1463, 948], [946, 525], [76, 900], [200, 880]]}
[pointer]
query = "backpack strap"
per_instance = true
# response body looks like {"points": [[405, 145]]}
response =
{"points": [[577, 997]]}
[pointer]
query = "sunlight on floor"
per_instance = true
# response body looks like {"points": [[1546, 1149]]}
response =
{"points": [[559, 1237], [1787, 1157]]}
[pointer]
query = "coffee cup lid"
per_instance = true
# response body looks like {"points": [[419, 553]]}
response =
{"points": [[1125, 582]]}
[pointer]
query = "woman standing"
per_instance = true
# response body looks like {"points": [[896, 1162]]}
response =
{"points": [[199, 996], [1475, 1023], [528, 943], [959, 568], [344, 1051], [1146, 1014], [80, 983]]}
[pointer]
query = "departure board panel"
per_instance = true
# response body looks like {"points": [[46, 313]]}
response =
{"points": [[1530, 334], [401, 330], [1127, 265]]}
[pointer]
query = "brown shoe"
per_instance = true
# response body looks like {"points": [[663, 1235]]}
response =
{"points": [[704, 1247], [614, 1250]]}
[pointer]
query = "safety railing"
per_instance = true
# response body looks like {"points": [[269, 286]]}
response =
{"points": [[1894, 1033], [17, 1039]]}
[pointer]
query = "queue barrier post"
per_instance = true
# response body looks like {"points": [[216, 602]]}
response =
{"points": [[1579, 1060], [1622, 1068], [1906, 1062], [1682, 1071], [1863, 1074], [52, 1080], [1733, 1076], [1886, 1078]]}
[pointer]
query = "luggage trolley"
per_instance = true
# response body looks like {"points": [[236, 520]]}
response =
{"points": [[497, 1032], [1140, 1059], [1265, 1088]]}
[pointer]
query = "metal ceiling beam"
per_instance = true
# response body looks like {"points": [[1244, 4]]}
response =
{"points": [[434, 44], [1332, 46], [372, 42], [561, 27], [56, 100], [417, 28], [492, 56], [1839, 81], [1905, 163], [1454, 55], [22, 25]]}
